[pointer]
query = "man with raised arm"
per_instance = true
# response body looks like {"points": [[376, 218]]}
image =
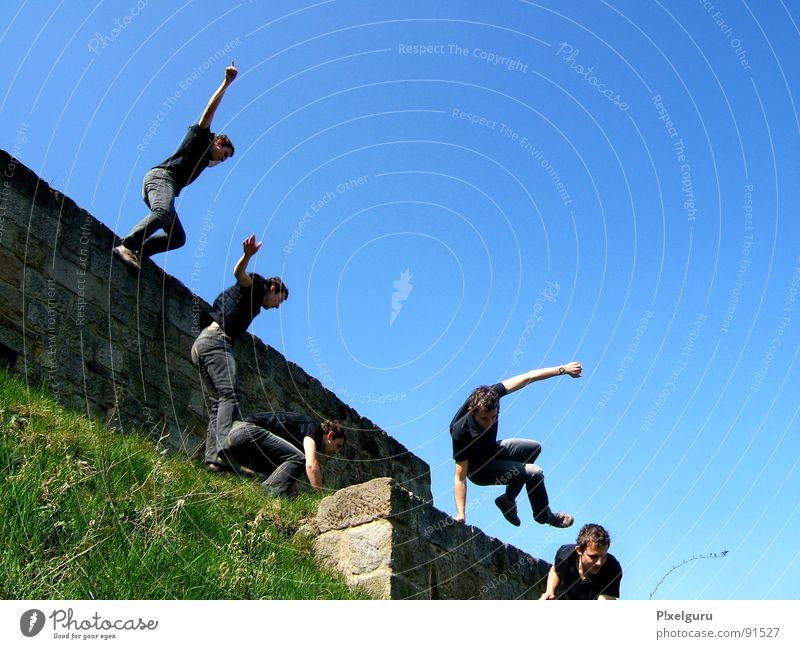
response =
{"points": [[510, 462], [199, 150], [278, 445], [212, 352], [585, 570]]}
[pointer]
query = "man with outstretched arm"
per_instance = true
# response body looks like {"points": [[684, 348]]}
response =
{"points": [[279, 445], [212, 351], [585, 570], [199, 150], [510, 462]]}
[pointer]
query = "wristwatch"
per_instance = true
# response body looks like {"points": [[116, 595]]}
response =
{"points": [[561, 370]]}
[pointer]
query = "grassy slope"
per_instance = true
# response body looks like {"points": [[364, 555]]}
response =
{"points": [[88, 513]]}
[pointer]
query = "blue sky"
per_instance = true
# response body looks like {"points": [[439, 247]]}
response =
{"points": [[457, 193]]}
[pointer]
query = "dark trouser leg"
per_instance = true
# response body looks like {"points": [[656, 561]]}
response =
{"points": [[514, 467], [158, 192], [174, 236], [212, 352], [257, 448]]}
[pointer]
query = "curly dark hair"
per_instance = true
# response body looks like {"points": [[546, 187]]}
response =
{"points": [[485, 396], [593, 533], [333, 426]]}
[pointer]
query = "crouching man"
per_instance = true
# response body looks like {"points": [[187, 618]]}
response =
{"points": [[585, 570], [279, 445]]}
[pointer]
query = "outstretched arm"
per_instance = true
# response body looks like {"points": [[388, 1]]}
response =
{"points": [[460, 490], [211, 108], [513, 384], [249, 248]]}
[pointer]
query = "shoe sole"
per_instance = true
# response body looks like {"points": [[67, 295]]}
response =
{"points": [[132, 263]]}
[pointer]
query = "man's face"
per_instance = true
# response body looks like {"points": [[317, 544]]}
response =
{"points": [[592, 558], [485, 417], [331, 446], [219, 153], [274, 300]]}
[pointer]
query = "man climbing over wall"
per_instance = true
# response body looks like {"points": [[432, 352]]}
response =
{"points": [[278, 445], [199, 150], [585, 570], [510, 462], [212, 352]]}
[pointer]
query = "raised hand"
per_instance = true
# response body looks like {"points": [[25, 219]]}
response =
{"points": [[230, 73], [250, 247]]}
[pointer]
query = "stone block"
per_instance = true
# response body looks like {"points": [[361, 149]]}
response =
{"points": [[150, 295], [378, 525], [355, 505], [43, 227], [378, 584], [11, 297], [361, 554], [109, 354], [370, 546]]}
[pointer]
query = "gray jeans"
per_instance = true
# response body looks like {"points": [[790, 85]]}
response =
{"points": [[158, 193], [212, 352], [513, 466], [264, 452]]}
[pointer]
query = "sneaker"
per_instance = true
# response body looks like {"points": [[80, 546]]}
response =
{"points": [[560, 519], [508, 508], [128, 256]]}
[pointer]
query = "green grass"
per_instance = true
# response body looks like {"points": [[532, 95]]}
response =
{"points": [[88, 513]]}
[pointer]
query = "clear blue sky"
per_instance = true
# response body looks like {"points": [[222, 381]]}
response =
{"points": [[666, 260]]}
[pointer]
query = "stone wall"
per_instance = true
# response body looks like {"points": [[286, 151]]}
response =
{"points": [[384, 539], [116, 346]]}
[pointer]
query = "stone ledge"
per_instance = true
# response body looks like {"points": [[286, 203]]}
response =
{"points": [[426, 555]]}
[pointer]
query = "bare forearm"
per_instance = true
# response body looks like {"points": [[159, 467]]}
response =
{"points": [[216, 98], [521, 380], [213, 103], [240, 270], [249, 248], [314, 473], [573, 368], [460, 491]]}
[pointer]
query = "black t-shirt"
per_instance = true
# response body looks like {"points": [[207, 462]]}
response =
{"points": [[470, 441], [289, 426], [235, 308], [571, 586], [190, 158]]}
